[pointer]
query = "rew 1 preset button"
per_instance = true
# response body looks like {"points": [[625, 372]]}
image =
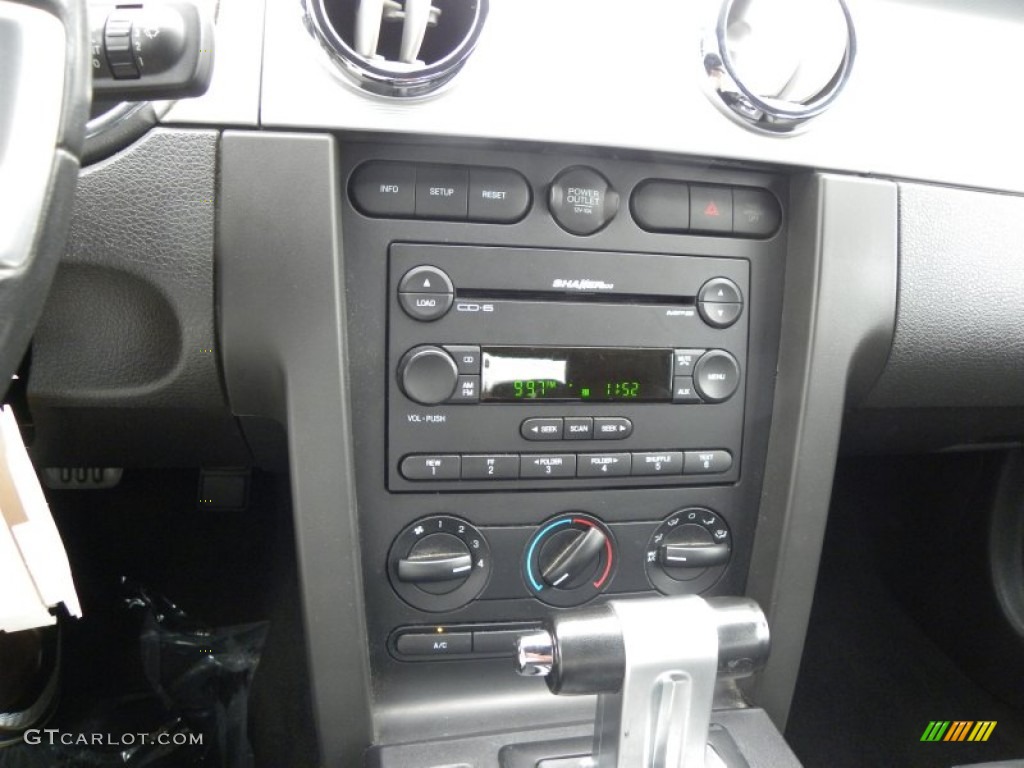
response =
{"points": [[439, 467]]}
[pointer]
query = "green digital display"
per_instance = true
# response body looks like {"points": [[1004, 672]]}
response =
{"points": [[575, 374]]}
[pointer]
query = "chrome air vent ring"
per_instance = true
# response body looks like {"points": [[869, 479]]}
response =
{"points": [[404, 49], [776, 108]]}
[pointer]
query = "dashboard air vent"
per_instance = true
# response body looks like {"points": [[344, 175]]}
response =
{"points": [[775, 64], [401, 49]]}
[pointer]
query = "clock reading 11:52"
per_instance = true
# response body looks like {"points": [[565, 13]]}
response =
{"points": [[575, 374], [622, 390]]}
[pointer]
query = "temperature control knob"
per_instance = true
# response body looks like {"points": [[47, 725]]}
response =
{"points": [[570, 557], [569, 560], [688, 552], [439, 563], [428, 375]]}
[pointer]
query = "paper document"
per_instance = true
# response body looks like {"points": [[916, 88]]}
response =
{"points": [[34, 570]]}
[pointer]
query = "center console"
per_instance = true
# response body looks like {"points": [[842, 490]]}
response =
{"points": [[562, 371]]}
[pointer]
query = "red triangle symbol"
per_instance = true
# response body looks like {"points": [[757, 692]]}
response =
{"points": [[711, 210]]}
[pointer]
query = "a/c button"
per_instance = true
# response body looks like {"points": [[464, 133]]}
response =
{"points": [[434, 643]]}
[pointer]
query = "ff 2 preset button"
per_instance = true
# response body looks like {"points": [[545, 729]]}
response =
{"points": [[497, 467]]}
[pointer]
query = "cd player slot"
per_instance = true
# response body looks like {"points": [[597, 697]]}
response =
{"points": [[492, 294]]}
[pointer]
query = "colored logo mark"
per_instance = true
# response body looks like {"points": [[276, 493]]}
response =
{"points": [[958, 730]]}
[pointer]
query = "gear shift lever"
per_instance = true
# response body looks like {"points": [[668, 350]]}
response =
{"points": [[653, 664]]}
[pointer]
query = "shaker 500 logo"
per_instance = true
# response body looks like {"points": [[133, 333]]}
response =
{"points": [[583, 285]]}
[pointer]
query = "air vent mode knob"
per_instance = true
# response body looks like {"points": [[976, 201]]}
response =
{"points": [[775, 64]]}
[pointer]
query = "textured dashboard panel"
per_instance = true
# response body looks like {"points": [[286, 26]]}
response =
{"points": [[129, 323], [960, 326]]}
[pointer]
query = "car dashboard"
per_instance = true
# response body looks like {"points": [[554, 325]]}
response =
{"points": [[560, 327]]}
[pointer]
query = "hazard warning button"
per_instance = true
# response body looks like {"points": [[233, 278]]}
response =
{"points": [[710, 209]]}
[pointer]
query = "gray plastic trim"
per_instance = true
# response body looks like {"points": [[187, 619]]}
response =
{"points": [[837, 324], [959, 333], [285, 356]]}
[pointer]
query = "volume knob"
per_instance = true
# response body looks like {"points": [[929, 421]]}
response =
{"points": [[428, 375]]}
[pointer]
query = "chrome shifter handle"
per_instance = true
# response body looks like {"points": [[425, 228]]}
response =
{"points": [[653, 664], [535, 654]]}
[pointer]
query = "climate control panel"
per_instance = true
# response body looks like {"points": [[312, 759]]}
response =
{"points": [[442, 563]]}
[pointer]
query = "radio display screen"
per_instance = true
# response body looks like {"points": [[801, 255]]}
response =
{"points": [[575, 374]]}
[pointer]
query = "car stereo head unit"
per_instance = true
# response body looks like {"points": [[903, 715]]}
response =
{"points": [[581, 365]]}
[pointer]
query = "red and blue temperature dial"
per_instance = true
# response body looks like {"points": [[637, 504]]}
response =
{"points": [[569, 560]]}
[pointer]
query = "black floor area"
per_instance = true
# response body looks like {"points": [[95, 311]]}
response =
{"points": [[900, 608], [222, 568]]}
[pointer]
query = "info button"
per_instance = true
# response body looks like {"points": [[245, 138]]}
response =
{"points": [[541, 429]]}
